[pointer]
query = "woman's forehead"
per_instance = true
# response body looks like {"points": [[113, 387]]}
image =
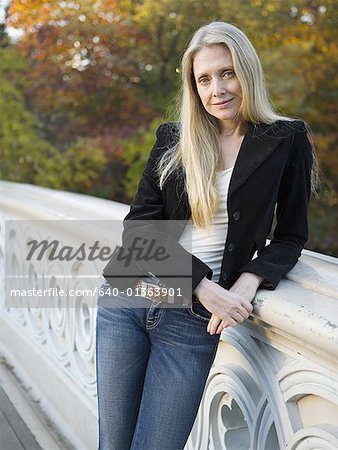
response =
{"points": [[211, 58]]}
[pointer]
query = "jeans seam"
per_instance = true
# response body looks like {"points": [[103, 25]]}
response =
{"points": [[156, 322], [197, 315], [194, 314]]}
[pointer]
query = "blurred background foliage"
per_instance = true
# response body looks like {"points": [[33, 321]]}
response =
{"points": [[85, 83]]}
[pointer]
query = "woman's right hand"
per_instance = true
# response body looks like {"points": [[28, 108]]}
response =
{"points": [[229, 306]]}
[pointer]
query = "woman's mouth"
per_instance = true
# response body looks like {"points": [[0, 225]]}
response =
{"points": [[223, 104]]}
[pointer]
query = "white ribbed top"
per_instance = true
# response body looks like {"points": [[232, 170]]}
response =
{"points": [[208, 244]]}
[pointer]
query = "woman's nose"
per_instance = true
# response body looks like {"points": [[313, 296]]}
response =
{"points": [[218, 88]]}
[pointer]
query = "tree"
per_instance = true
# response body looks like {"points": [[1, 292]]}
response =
{"points": [[136, 150], [25, 154], [22, 149], [83, 67]]}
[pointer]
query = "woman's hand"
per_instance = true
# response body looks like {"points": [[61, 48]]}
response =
{"points": [[227, 307], [246, 286]]}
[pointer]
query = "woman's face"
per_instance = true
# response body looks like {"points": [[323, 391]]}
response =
{"points": [[217, 84]]}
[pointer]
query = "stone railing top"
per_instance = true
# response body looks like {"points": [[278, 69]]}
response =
{"points": [[34, 202]]}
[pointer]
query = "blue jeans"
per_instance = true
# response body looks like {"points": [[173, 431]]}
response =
{"points": [[152, 364]]}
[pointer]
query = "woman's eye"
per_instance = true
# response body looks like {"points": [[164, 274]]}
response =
{"points": [[229, 74], [203, 80]]}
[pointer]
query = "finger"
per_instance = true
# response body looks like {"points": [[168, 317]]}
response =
{"points": [[212, 319], [221, 327], [242, 312], [213, 324], [238, 317], [247, 306], [239, 314], [230, 322]]}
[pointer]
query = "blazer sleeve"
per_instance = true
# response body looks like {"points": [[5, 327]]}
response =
{"points": [[291, 231], [181, 269]]}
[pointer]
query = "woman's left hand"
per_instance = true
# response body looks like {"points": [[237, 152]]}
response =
{"points": [[246, 285]]}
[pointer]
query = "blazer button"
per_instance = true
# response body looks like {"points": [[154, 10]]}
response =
{"points": [[224, 276], [236, 215], [231, 247]]}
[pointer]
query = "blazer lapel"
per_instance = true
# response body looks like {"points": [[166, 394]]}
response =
{"points": [[257, 146]]}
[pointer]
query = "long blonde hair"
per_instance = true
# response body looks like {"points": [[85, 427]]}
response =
{"points": [[198, 148]]}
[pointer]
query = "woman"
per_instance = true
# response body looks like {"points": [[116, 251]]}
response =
{"points": [[225, 167]]}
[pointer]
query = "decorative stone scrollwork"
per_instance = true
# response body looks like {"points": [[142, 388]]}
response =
{"points": [[257, 398], [324, 437], [235, 411], [64, 325], [311, 393]]}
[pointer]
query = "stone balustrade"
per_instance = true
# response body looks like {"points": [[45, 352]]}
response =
{"points": [[274, 383]]}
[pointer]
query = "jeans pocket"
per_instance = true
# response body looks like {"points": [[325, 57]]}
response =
{"points": [[197, 310]]}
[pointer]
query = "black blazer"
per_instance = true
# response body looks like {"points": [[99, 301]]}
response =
{"points": [[271, 175]]}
